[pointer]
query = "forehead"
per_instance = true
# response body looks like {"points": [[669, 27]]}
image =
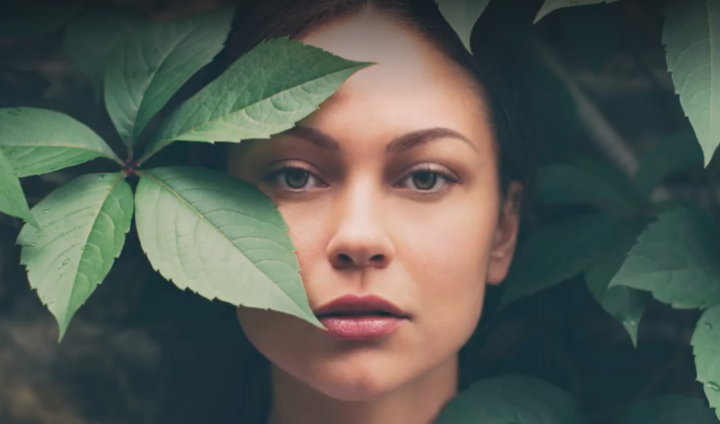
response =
{"points": [[407, 66]]}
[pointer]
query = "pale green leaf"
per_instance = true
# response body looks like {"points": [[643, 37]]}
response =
{"points": [[147, 68], [12, 198], [672, 154], [219, 237], [623, 303], [706, 348], [555, 253], [38, 141], [263, 93], [462, 16], [511, 399], [669, 409], [692, 42], [82, 230], [32, 18], [552, 5], [90, 38], [676, 259]]}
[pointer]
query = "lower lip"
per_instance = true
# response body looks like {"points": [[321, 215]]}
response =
{"points": [[361, 327]]}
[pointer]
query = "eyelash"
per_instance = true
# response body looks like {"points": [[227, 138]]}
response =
{"points": [[449, 177]]}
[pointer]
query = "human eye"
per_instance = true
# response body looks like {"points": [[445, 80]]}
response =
{"points": [[292, 178], [429, 179]]}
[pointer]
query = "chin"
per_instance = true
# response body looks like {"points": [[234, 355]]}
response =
{"points": [[355, 388]]}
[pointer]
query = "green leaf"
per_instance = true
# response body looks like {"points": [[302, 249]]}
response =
{"points": [[82, 230], [38, 141], [692, 38], [706, 348], [462, 16], [263, 93], [623, 303], [555, 253], [672, 154], [12, 198], [669, 409], [90, 38], [31, 18], [511, 399], [219, 237], [147, 68], [552, 5], [569, 183], [676, 259]]}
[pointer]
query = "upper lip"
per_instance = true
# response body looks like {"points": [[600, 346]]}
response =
{"points": [[354, 305]]}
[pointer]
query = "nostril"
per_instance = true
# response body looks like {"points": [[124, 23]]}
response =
{"points": [[344, 258]]}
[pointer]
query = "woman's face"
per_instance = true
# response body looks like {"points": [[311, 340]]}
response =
{"points": [[390, 189]]}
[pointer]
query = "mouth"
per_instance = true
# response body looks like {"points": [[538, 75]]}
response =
{"points": [[361, 318]]}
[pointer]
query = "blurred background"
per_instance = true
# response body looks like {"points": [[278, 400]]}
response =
{"points": [[141, 351]]}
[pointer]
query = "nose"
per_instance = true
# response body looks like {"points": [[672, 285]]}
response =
{"points": [[360, 240]]}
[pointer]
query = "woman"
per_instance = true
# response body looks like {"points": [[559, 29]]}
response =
{"points": [[402, 195]]}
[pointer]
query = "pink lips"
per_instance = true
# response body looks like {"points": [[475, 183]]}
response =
{"points": [[360, 317]]}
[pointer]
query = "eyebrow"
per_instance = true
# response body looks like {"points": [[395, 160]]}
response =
{"points": [[399, 144]]}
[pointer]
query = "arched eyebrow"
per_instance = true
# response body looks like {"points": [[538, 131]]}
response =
{"points": [[399, 144]]}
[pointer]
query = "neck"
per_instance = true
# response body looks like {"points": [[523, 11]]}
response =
{"points": [[417, 402]]}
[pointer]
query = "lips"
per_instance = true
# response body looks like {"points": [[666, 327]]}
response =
{"points": [[361, 317]]}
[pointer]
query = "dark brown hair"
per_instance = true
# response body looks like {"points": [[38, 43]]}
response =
{"points": [[491, 66]]}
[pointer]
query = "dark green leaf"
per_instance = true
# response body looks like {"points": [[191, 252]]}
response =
{"points": [[623, 303], [568, 183], [145, 69], [670, 409], [554, 253], [38, 141], [219, 237], [31, 18], [263, 93], [552, 5], [12, 198], [90, 38], [706, 348], [672, 154], [511, 399], [691, 36], [676, 259], [462, 16], [82, 230]]}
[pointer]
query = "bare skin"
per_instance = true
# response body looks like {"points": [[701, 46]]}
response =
{"points": [[396, 195]]}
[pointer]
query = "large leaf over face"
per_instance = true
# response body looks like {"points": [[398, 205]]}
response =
{"points": [[263, 93], [692, 39], [511, 399], [219, 237], [670, 409], [676, 259], [557, 252], [91, 37], [148, 67], [552, 5], [706, 348], [462, 16], [622, 303], [31, 18], [37, 141], [82, 230], [12, 198]]}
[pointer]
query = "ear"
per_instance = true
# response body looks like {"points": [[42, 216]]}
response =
{"points": [[505, 239]]}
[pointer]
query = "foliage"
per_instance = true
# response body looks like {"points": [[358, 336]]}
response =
{"points": [[77, 231], [225, 240]]}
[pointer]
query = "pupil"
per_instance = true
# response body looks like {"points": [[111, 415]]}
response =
{"points": [[296, 178], [424, 180]]}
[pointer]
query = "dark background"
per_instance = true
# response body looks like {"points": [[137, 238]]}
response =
{"points": [[141, 351]]}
